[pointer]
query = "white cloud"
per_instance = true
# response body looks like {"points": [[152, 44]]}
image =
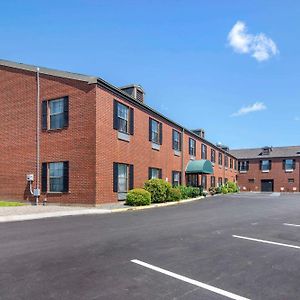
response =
{"points": [[257, 106], [259, 46]]}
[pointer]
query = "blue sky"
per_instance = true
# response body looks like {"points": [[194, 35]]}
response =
{"points": [[242, 88]]}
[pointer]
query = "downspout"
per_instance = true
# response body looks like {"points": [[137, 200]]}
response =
{"points": [[37, 181], [182, 159]]}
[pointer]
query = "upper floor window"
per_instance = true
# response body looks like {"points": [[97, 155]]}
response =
{"points": [[155, 173], [176, 140], [192, 147], [55, 114], [243, 166], [265, 165], [203, 151], [123, 118], [289, 164], [226, 161], [155, 131], [220, 159], [55, 177], [213, 156], [231, 163]]}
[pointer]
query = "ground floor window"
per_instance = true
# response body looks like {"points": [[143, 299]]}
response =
{"points": [[225, 180], [291, 180], [204, 181], [55, 177], [155, 173], [212, 181], [220, 181], [123, 177], [176, 178], [192, 180]]}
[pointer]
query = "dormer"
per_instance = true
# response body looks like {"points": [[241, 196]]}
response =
{"points": [[134, 90]]}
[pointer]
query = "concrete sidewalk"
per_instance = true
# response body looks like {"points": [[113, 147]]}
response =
{"points": [[31, 212]]}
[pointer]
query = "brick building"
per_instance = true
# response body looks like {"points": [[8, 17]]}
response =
{"points": [[269, 169], [96, 140]]}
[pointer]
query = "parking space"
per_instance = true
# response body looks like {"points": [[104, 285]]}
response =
{"points": [[244, 246]]}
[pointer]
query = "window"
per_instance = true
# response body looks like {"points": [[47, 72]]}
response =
{"points": [[155, 131], [243, 166], [192, 147], [220, 181], [265, 165], [225, 180], [192, 180], [220, 160], [55, 114], [176, 178], [123, 118], [289, 164], [212, 181], [213, 156], [226, 161], [235, 164], [155, 173], [176, 140], [251, 180], [291, 180], [55, 177], [203, 151], [204, 181], [122, 177], [231, 163]]}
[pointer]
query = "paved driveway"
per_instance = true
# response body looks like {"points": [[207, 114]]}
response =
{"points": [[229, 247]]}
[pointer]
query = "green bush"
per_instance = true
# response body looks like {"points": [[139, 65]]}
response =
{"points": [[232, 187], [174, 194], [138, 197], [224, 190], [159, 190], [189, 191], [219, 190]]}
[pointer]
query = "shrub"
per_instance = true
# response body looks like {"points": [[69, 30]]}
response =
{"points": [[224, 190], [189, 191], [232, 187], [174, 194], [212, 190], [184, 190], [159, 189], [138, 197], [218, 190]]}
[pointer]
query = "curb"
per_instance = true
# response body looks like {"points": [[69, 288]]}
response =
{"points": [[90, 211]]}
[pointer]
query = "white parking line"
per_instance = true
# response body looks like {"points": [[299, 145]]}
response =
{"points": [[293, 225], [266, 242], [191, 281]]}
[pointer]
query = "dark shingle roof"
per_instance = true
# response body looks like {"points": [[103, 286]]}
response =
{"points": [[290, 151]]}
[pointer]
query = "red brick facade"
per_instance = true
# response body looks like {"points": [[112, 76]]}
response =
{"points": [[89, 144], [283, 181]]}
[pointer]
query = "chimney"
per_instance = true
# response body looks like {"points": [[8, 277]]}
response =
{"points": [[200, 132], [266, 150], [223, 147], [135, 91]]}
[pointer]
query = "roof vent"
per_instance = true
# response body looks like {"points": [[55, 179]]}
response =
{"points": [[200, 132], [135, 91], [266, 150], [223, 147]]}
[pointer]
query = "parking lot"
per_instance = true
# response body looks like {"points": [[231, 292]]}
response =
{"points": [[244, 246]]}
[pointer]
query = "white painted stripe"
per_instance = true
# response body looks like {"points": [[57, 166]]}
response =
{"points": [[288, 224], [191, 281], [266, 242]]}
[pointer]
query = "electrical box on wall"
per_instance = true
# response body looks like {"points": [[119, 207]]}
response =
{"points": [[29, 177]]}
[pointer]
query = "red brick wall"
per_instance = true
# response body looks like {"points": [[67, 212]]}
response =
{"points": [[17, 135], [138, 151], [277, 173]]}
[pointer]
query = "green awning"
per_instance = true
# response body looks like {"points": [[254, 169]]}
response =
{"points": [[202, 166]]}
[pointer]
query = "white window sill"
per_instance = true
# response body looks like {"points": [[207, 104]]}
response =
{"points": [[265, 171], [192, 157], [177, 153], [123, 136], [155, 146], [243, 172], [289, 171]]}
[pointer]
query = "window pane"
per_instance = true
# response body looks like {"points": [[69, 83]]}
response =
{"points": [[56, 179], [123, 117], [155, 131], [289, 164], [56, 121], [56, 113], [265, 165], [122, 178], [56, 106]]}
